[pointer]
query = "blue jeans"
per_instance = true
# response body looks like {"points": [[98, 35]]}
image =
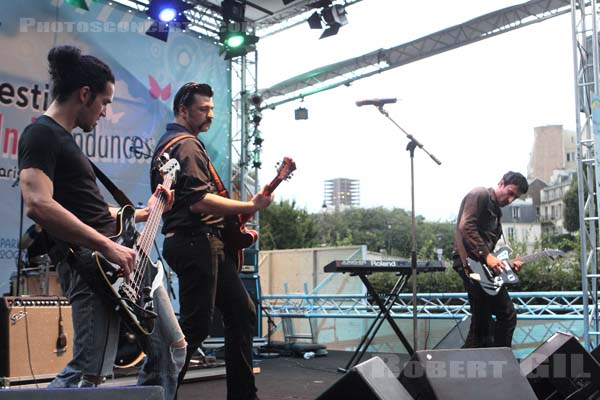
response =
{"points": [[163, 361], [95, 331]]}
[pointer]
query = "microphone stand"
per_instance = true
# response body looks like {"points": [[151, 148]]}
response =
{"points": [[410, 147]]}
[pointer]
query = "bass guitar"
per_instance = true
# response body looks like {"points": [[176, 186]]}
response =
{"points": [[133, 299], [492, 282], [235, 234]]}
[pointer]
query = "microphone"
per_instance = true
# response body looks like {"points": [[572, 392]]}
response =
{"points": [[375, 102]]}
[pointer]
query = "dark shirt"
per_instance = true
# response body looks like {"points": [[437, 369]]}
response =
{"points": [[47, 146], [193, 182], [478, 224]]}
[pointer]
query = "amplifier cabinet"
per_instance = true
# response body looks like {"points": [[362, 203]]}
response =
{"points": [[36, 337]]}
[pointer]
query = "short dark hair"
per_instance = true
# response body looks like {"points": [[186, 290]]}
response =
{"points": [[517, 179], [70, 70], [185, 95]]}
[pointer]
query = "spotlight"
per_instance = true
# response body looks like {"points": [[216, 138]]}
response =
{"points": [[258, 140], [166, 13], [335, 17], [233, 10], [256, 118], [300, 113], [236, 41], [256, 99], [314, 21], [78, 4]]}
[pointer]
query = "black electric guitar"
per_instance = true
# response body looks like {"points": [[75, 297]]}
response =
{"points": [[491, 282], [235, 234], [133, 299]]}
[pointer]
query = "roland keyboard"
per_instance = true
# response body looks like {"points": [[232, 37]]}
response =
{"points": [[402, 267]]}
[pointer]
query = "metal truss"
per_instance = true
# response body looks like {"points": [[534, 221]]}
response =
{"points": [[346, 72], [585, 57], [529, 305]]}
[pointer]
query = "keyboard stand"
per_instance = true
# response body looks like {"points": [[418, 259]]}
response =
{"points": [[384, 314]]}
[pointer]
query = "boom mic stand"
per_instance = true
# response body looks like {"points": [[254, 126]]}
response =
{"points": [[410, 147]]}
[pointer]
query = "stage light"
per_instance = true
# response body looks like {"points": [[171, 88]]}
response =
{"points": [[78, 4], [234, 40], [233, 10], [166, 14], [236, 43], [233, 35], [300, 113], [256, 99], [314, 21], [335, 17]]}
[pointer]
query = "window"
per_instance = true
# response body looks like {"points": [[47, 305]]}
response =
{"points": [[511, 234], [515, 213], [568, 157], [552, 212]]}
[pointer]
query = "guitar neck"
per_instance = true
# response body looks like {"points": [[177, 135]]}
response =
{"points": [[272, 185], [149, 232], [533, 257]]}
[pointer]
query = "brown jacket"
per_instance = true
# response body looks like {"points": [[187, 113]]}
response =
{"points": [[478, 226]]}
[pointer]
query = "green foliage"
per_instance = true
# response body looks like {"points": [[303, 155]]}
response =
{"points": [[283, 226], [571, 214]]}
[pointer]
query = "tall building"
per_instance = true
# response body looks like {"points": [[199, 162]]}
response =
{"points": [[554, 149], [340, 193], [552, 206]]}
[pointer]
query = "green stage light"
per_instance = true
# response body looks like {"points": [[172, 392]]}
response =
{"points": [[235, 40], [78, 4]]}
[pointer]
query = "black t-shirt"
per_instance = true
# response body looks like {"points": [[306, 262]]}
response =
{"points": [[47, 146], [193, 182]]}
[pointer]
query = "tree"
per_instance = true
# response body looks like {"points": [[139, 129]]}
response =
{"points": [[571, 214], [283, 226]]}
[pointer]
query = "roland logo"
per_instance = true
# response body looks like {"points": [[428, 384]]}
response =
{"points": [[383, 263]]}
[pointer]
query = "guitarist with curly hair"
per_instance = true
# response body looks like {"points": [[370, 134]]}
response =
{"points": [[478, 229]]}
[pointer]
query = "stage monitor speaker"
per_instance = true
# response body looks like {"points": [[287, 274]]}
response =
{"points": [[491, 373], [251, 282], [370, 380], [31, 328], [99, 393], [561, 367]]}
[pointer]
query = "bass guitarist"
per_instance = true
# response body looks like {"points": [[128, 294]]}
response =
{"points": [[60, 193], [194, 247], [478, 229]]}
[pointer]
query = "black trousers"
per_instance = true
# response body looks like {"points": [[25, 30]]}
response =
{"points": [[482, 331], [208, 277]]}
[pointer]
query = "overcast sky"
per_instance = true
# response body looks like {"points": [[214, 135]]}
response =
{"points": [[474, 107]]}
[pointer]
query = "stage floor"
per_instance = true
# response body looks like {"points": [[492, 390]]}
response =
{"points": [[289, 377]]}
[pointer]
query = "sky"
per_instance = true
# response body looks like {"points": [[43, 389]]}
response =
{"points": [[474, 108]]}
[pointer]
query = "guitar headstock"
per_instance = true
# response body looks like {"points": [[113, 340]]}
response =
{"points": [[285, 168], [168, 167]]}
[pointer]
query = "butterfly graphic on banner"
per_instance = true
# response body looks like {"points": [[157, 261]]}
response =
{"points": [[156, 91]]}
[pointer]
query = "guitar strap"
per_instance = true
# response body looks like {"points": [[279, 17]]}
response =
{"points": [[222, 191], [116, 193]]}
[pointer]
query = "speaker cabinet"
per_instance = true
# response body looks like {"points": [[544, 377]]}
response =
{"points": [[560, 367], [99, 393], [30, 328], [370, 380], [460, 374]]}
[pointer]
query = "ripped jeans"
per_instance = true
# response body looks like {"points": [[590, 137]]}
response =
{"points": [[163, 362]]}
